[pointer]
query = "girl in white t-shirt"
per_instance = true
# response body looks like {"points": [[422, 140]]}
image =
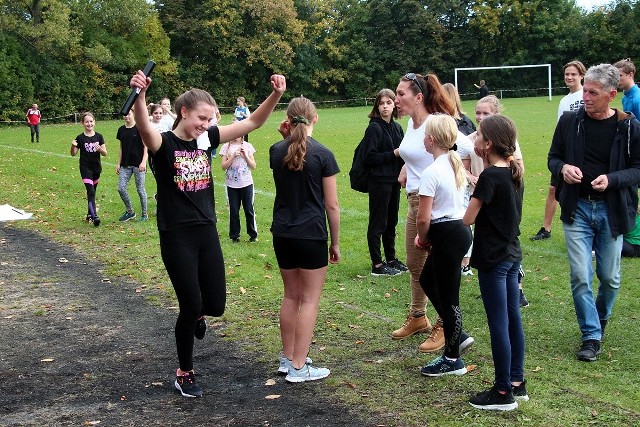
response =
{"points": [[238, 162], [443, 235]]}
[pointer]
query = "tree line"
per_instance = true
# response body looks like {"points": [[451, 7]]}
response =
{"points": [[78, 55]]}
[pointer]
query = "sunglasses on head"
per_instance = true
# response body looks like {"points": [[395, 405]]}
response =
{"points": [[414, 78]]}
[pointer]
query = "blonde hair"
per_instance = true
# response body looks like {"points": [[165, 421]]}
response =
{"points": [[455, 96], [502, 133], [444, 131], [300, 111], [493, 101]]}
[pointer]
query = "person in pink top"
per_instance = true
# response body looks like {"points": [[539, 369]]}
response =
{"points": [[33, 120], [238, 162]]}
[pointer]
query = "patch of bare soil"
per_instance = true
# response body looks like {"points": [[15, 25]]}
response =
{"points": [[81, 349]]}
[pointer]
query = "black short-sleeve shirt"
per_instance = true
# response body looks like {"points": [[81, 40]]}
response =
{"points": [[184, 180], [298, 209], [130, 145], [88, 148], [497, 225]]}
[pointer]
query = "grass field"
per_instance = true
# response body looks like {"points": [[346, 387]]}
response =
{"points": [[370, 371]]}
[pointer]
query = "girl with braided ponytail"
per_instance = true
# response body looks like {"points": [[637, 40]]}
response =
{"points": [[496, 209], [304, 173]]}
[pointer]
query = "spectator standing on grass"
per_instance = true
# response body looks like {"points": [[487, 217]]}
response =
{"points": [[486, 107], [382, 156], [631, 98], [483, 89], [91, 146], [595, 153], [441, 233], [496, 209], [132, 160], [573, 75], [241, 112], [237, 161], [419, 96], [304, 173], [189, 242], [33, 120]]}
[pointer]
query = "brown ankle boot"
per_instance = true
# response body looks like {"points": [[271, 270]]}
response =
{"points": [[412, 325], [435, 341]]}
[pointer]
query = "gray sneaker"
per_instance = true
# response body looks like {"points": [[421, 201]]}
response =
{"points": [[306, 373], [285, 364]]}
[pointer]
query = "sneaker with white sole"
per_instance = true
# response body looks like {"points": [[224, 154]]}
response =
{"points": [[493, 400], [396, 264], [520, 391], [285, 364], [126, 216], [306, 373], [465, 270], [442, 366], [186, 385], [384, 270], [466, 342]]}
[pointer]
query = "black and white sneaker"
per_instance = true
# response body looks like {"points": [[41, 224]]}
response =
{"points": [[520, 392], [186, 385], [384, 270], [493, 400], [396, 264]]}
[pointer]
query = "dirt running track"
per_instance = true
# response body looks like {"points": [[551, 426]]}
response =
{"points": [[78, 350]]}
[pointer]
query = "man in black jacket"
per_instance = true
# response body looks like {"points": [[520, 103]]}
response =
{"points": [[595, 153]]}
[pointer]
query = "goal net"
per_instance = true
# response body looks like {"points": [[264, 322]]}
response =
{"points": [[507, 81]]}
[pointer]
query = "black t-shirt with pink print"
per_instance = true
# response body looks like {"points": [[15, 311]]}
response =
{"points": [[88, 148], [184, 180]]}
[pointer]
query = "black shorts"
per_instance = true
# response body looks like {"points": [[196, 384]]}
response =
{"points": [[90, 172], [300, 253]]}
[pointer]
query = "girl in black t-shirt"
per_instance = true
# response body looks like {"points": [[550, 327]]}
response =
{"points": [[496, 209], [304, 172], [91, 146], [189, 241]]}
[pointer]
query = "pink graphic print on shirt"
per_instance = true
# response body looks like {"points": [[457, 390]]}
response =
{"points": [[91, 147], [193, 171]]}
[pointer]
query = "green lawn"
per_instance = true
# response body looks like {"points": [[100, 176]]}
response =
{"points": [[370, 371]]}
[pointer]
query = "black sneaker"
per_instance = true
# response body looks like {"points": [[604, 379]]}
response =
{"points": [[201, 328], [96, 221], [589, 351], [397, 265], [384, 270], [492, 400], [541, 235], [520, 392], [235, 240], [524, 302], [187, 386]]}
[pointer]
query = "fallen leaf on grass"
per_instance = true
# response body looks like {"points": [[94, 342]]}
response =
{"points": [[471, 368], [270, 382], [7, 317], [358, 342], [537, 369], [266, 276], [351, 385], [273, 396], [594, 413], [387, 295], [545, 278]]}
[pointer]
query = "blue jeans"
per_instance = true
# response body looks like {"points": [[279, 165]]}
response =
{"points": [[501, 299], [590, 229]]}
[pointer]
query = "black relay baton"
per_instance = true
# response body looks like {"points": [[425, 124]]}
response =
{"points": [[131, 99]]}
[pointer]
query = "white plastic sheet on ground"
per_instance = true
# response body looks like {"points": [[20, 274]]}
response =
{"points": [[9, 213]]}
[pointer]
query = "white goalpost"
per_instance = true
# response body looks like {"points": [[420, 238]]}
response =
{"points": [[548, 66]]}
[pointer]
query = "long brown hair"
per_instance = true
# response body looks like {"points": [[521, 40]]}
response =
{"points": [[502, 133], [190, 100], [300, 113], [375, 112]]}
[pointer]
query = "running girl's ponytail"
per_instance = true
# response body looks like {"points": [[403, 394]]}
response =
{"points": [[501, 131], [301, 112]]}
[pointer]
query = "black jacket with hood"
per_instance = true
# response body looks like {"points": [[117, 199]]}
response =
{"points": [[381, 139]]}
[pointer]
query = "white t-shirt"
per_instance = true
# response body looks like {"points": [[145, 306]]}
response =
{"points": [[439, 181], [415, 156], [161, 126], [571, 102], [167, 121], [238, 174], [203, 139]]}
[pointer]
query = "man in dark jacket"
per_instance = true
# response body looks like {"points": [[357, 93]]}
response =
{"points": [[595, 153]]}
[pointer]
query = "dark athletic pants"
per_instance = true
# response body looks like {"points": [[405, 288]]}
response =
{"points": [[440, 278], [193, 259], [384, 202]]}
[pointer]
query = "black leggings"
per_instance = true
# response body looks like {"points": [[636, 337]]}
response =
{"points": [[193, 259], [440, 278]]}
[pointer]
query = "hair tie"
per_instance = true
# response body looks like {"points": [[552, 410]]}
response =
{"points": [[510, 159], [300, 119], [454, 147]]}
